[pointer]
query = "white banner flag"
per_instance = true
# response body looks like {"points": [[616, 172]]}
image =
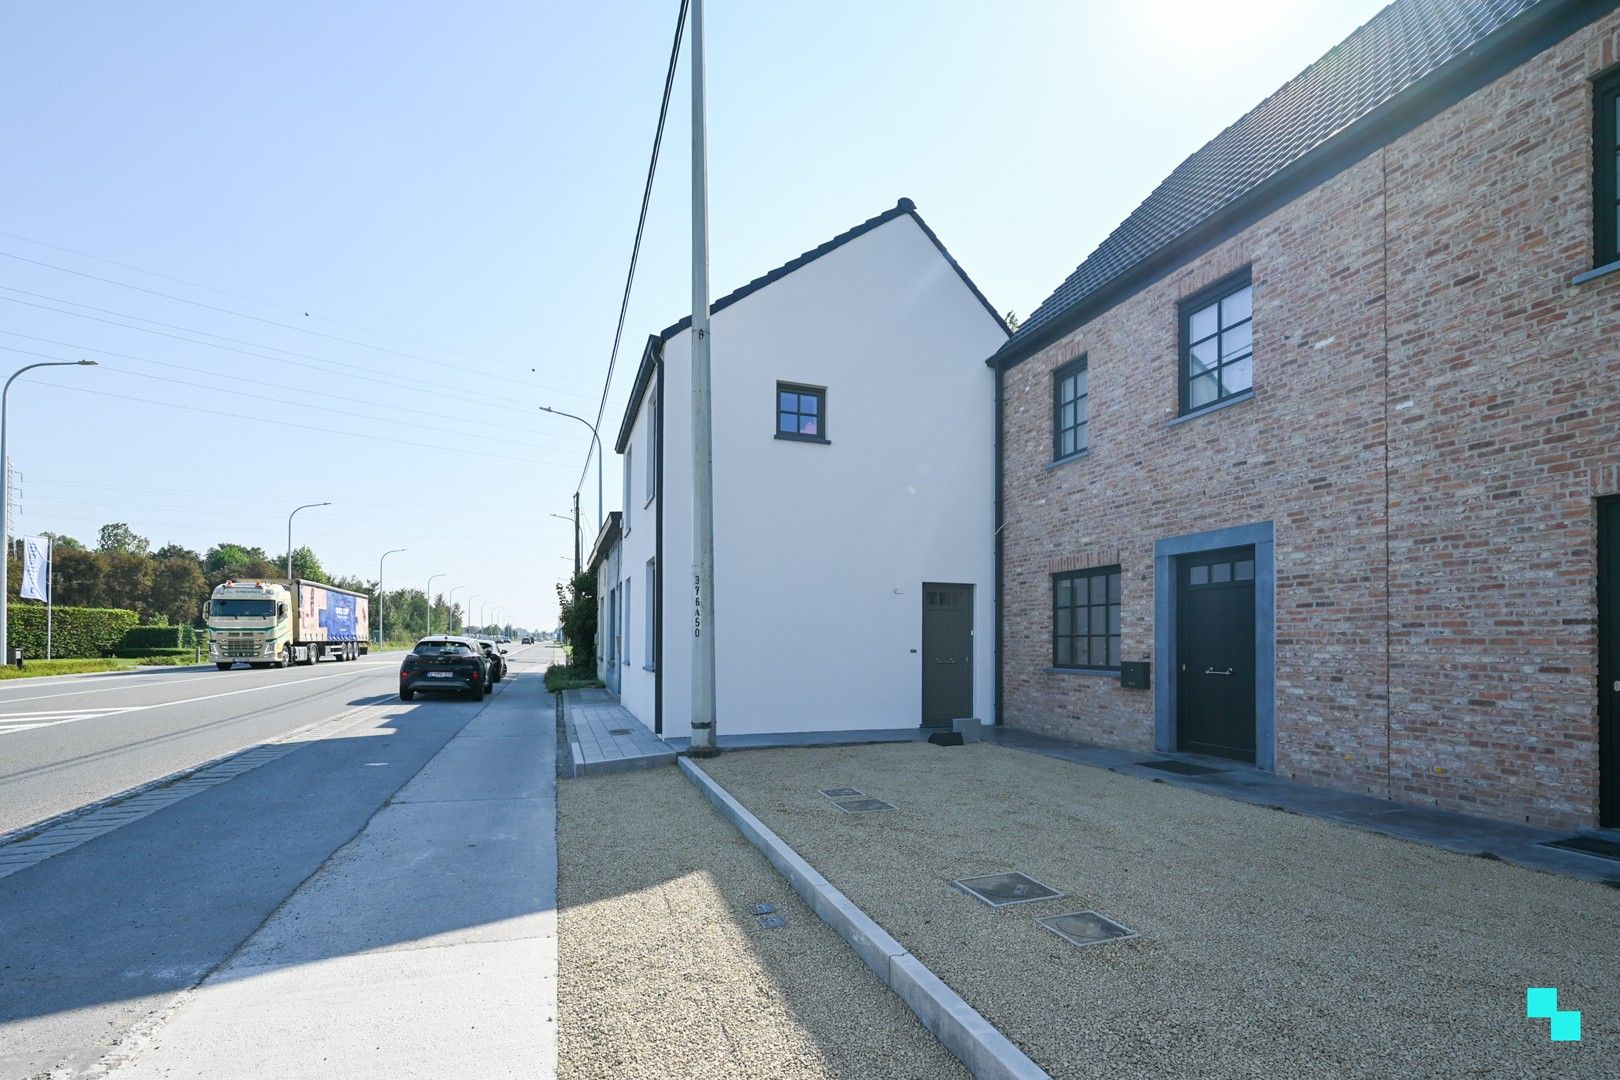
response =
{"points": [[36, 568]]}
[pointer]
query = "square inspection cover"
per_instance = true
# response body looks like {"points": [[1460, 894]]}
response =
{"points": [[1002, 890], [862, 806], [842, 792], [1087, 928]]}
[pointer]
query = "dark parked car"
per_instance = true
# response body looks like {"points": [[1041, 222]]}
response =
{"points": [[445, 663], [496, 657]]}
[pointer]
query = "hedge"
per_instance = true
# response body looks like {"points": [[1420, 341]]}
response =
{"points": [[147, 653], [75, 631], [157, 638]]}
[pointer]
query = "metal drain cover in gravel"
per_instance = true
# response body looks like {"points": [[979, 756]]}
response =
{"points": [[1086, 928], [1180, 768], [1001, 890], [862, 806], [842, 792]]}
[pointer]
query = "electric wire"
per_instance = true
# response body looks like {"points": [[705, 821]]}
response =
{"points": [[301, 405], [266, 420], [256, 300], [635, 248], [339, 368], [221, 310]]}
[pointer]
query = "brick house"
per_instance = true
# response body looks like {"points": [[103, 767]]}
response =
{"points": [[1328, 432]]}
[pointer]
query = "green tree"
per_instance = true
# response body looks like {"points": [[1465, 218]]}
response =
{"points": [[77, 577], [119, 538], [179, 590], [126, 581], [238, 560], [305, 565], [577, 600]]}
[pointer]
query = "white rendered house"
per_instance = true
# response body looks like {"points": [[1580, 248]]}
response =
{"points": [[854, 499]]}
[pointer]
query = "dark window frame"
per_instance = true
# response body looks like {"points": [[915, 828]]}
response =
{"points": [[1229, 285], [803, 390], [1081, 428], [1606, 168], [1112, 598]]}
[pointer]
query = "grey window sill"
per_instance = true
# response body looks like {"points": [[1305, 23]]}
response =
{"points": [[1112, 673], [1235, 399], [1592, 275], [646, 667], [1055, 462], [801, 438]]}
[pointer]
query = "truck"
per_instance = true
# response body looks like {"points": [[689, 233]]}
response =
{"points": [[278, 623]]}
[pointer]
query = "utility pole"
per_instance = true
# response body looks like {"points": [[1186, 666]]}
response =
{"points": [[703, 705], [576, 534]]}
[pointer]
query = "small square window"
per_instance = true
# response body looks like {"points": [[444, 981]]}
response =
{"points": [[1217, 343], [801, 413]]}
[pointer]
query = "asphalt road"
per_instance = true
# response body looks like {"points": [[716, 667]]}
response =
{"points": [[97, 939]]}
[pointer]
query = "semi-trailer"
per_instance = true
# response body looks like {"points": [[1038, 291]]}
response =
{"points": [[278, 623]]}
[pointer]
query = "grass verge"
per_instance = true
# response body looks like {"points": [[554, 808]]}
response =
{"points": [[559, 678], [37, 668]]}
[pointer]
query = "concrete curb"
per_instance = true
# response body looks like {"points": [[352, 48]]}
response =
{"points": [[986, 1052]]}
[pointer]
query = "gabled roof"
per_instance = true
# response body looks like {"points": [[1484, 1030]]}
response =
{"points": [[1410, 61], [605, 540], [650, 354]]}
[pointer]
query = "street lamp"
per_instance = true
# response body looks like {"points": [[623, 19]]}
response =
{"points": [[470, 599], [306, 506], [5, 495], [558, 412], [450, 609], [431, 580], [481, 608], [574, 521], [382, 596]]}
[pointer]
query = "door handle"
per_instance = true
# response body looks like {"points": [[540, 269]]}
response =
{"points": [[1212, 671]]}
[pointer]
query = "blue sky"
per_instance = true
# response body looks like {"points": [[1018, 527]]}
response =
{"points": [[410, 221]]}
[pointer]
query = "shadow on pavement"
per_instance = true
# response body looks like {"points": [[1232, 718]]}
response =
{"points": [[147, 910]]}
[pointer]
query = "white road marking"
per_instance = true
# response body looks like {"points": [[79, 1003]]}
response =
{"points": [[29, 721], [172, 682], [14, 722]]}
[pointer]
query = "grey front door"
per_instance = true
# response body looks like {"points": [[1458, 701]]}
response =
{"points": [[1215, 653], [947, 654], [1609, 662]]}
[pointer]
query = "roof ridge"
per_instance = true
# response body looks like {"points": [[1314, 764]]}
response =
{"points": [[1401, 45]]}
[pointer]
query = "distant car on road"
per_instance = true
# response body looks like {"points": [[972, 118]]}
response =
{"points": [[445, 664], [496, 658], [528, 641]]}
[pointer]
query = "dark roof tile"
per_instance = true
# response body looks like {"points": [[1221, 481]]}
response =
{"points": [[1400, 45]]}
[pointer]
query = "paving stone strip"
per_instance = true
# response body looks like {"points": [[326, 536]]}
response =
{"points": [[35, 843]]}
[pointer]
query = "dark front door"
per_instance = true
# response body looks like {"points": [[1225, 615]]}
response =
{"points": [[1215, 653], [1609, 661], [947, 654]]}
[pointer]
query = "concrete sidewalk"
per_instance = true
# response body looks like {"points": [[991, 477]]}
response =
{"points": [[425, 947]]}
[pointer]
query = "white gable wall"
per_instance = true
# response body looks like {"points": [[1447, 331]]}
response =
{"points": [[821, 550]]}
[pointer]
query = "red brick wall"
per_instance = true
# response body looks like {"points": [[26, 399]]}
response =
{"points": [[1435, 609]]}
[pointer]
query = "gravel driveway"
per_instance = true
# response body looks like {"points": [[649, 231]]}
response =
{"points": [[1273, 945], [664, 972]]}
